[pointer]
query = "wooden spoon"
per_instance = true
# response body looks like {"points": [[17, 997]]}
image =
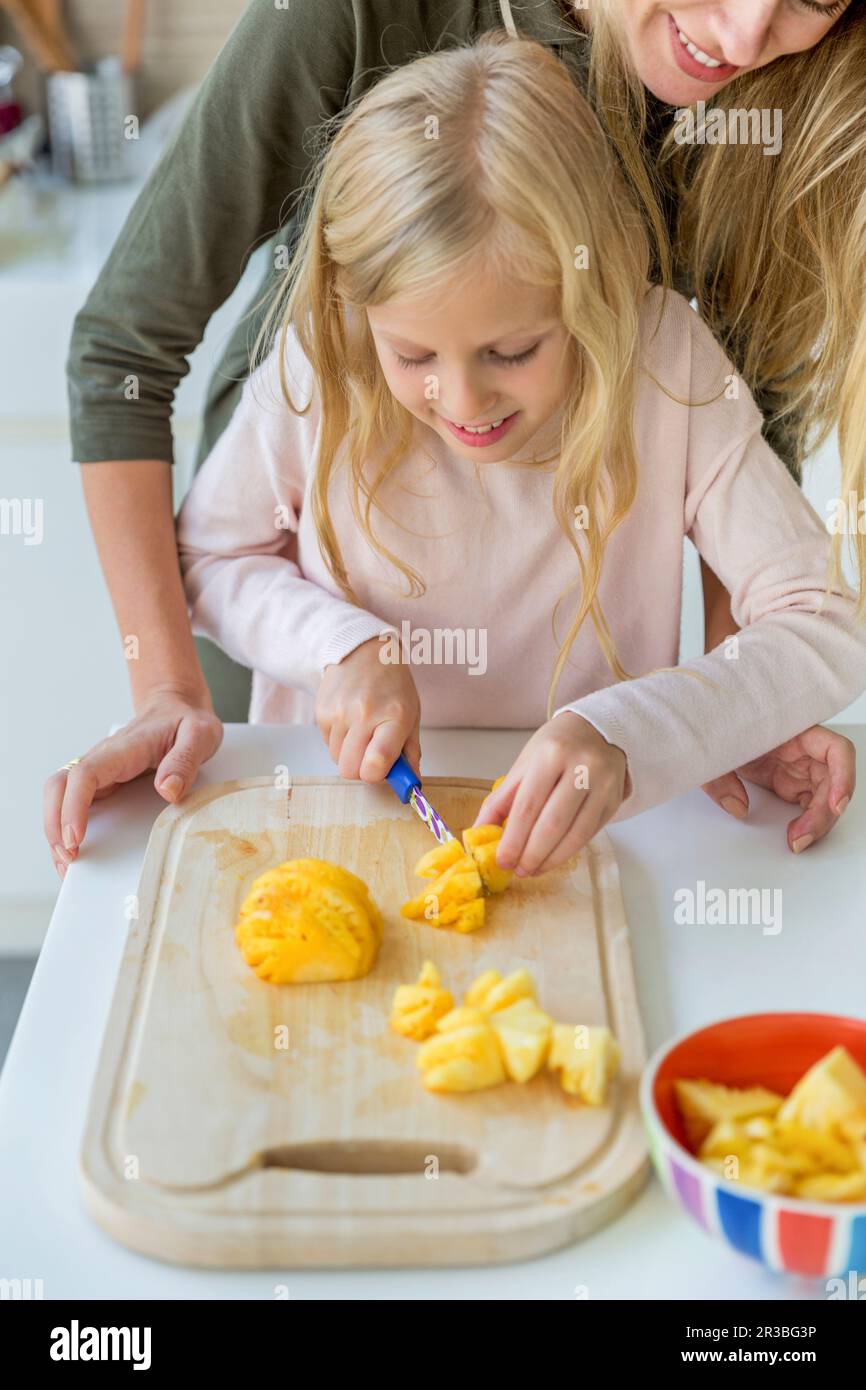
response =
{"points": [[51, 14], [133, 31], [43, 46]]}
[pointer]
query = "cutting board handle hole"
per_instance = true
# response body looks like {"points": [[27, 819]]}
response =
{"points": [[371, 1157]]}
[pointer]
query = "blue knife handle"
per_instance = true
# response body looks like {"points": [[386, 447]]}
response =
{"points": [[402, 779]]}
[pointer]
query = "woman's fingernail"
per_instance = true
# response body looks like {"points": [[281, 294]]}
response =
{"points": [[69, 838], [803, 843], [63, 854], [734, 807], [521, 873], [172, 787], [843, 806], [61, 869]]}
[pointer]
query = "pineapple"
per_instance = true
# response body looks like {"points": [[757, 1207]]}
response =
{"points": [[726, 1138], [490, 992], [463, 917], [461, 1017], [457, 885], [437, 860], [827, 1151], [524, 1032], [459, 878], [702, 1104], [481, 842], [462, 1058], [811, 1144], [499, 1033], [306, 921], [418, 1008], [832, 1092], [584, 1071], [750, 1174], [833, 1187]]}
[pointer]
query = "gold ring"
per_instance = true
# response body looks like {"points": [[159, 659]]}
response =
{"points": [[67, 766]]}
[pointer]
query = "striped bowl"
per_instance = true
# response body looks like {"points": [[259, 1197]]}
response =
{"points": [[818, 1239]]}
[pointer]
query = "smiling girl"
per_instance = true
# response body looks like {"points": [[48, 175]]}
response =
{"points": [[478, 415], [774, 249]]}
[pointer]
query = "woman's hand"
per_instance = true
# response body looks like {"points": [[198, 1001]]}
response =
{"points": [[368, 713], [564, 786], [815, 770], [172, 732]]}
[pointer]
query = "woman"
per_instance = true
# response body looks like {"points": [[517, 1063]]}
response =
{"points": [[772, 245]]}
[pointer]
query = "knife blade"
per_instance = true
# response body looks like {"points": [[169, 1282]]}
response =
{"points": [[407, 785]]}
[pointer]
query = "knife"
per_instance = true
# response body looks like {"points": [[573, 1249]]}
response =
{"points": [[407, 784]]}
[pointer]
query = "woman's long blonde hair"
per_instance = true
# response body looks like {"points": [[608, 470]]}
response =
{"points": [[775, 247], [485, 149]]}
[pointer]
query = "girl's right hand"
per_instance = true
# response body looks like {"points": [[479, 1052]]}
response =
{"points": [[368, 713], [172, 732]]}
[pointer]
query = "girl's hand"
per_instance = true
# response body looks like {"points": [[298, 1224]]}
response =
{"points": [[816, 769], [368, 713], [172, 732], [564, 786]]}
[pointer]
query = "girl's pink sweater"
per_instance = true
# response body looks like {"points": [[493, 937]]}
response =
{"points": [[486, 542]]}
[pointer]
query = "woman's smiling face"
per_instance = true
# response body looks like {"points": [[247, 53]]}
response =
{"points": [[688, 50]]}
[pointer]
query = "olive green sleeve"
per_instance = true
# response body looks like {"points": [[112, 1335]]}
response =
{"points": [[221, 188]]}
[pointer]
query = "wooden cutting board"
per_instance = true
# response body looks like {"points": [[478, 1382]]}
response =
{"points": [[236, 1123]]}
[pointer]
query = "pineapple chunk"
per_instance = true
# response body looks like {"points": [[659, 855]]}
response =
{"points": [[437, 860], [462, 1059], [811, 1144], [761, 1127], [459, 883], [481, 842], [778, 1160], [480, 988], [726, 1138], [584, 1071], [417, 1008], [475, 835], [702, 1104], [458, 875], [461, 1017], [833, 1187], [854, 1133], [463, 917], [490, 992], [833, 1091], [750, 1174], [828, 1151], [524, 1032]]}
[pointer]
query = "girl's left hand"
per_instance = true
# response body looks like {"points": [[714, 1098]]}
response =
{"points": [[564, 786], [814, 770]]}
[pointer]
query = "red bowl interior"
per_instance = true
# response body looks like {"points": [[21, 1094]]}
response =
{"points": [[772, 1050]]}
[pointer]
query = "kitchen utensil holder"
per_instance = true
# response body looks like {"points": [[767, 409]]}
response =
{"points": [[87, 116]]}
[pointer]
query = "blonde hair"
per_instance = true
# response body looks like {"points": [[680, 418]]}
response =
{"points": [[775, 248], [518, 166]]}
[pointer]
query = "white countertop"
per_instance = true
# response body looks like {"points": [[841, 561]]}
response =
{"points": [[686, 976]]}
